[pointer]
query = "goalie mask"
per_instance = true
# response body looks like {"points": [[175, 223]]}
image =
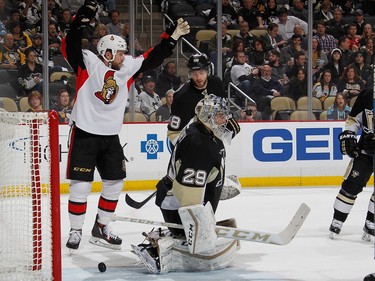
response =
{"points": [[113, 43], [213, 112]]}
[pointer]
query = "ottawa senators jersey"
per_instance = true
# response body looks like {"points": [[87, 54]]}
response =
{"points": [[197, 168], [361, 116], [187, 97]]}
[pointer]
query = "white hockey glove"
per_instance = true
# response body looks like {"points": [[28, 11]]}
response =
{"points": [[231, 187], [182, 28]]}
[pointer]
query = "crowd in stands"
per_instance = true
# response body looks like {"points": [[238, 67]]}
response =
{"points": [[263, 65]]}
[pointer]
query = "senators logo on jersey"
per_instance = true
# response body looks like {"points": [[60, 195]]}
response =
{"points": [[110, 88]]}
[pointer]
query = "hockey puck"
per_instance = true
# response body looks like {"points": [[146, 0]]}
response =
{"points": [[102, 267], [370, 277]]}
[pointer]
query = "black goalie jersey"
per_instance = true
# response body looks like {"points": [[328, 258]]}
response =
{"points": [[361, 116], [196, 168]]}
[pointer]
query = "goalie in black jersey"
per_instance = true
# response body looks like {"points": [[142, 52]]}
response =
{"points": [[196, 169], [360, 167]]}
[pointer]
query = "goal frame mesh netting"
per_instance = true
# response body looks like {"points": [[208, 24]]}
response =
{"points": [[30, 243]]}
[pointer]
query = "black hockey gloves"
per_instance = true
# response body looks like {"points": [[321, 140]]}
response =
{"points": [[86, 12], [369, 144], [348, 144], [233, 126], [162, 188]]}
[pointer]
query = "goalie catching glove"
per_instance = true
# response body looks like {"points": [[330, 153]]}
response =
{"points": [[348, 144], [369, 144]]}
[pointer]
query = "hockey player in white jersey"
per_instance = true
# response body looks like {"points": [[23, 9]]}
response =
{"points": [[196, 168], [102, 93]]}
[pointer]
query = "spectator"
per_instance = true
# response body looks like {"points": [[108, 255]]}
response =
{"points": [[297, 30], [148, 101], [259, 55], [363, 70], [326, 41], [335, 65], [125, 34], [56, 10], [242, 75], [251, 114], [65, 22], [63, 106], [325, 87], [278, 70], [54, 41], [35, 101], [298, 10], [30, 13], [37, 47], [115, 26], [101, 30], [238, 46], [349, 83], [353, 37], [346, 53], [72, 5], [264, 89], [298, 62], [4, 12], [21, 39], [319, 58], [324, 13], [347, 6], [336, 26], [289, 53], [167, 79], [368, 51], [163, 113], [93, 44], [270, 14], [11, 58], [14, 16], [229, 16], [298, 85], [359, 21], [272, 39], [246, 36], [368, 33], [340, 109], [227, 44], [250, 14], [30, 74], [286, 24]]}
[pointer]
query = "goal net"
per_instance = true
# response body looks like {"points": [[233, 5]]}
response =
{"points": [[30, 246]]}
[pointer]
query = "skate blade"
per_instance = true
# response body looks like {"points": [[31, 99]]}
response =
{"points": [[102, 243], [332, 235], [366, 237]]}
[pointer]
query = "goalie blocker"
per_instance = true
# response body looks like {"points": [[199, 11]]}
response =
{"points": [[201, 251]]}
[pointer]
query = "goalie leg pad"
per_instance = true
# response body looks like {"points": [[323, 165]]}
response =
{"points": [[231, 187], [199, 226]]}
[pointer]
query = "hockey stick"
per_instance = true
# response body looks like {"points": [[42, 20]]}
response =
{"points": [[281, 238], [137, 205]]}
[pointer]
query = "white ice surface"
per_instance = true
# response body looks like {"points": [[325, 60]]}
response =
{"points": [[311, 255]]}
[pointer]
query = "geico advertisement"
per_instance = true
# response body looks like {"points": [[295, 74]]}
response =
{"points": [[262, 149]]}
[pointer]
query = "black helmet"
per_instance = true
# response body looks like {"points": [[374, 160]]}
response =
{"points": [[198, 61]]}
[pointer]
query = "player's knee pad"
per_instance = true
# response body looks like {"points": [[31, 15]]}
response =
{"points": [[111, 189], [199, 226], [351, 188], [79, 190]]}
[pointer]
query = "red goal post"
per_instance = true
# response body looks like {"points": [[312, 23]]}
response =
{"points": [[30, 235]]}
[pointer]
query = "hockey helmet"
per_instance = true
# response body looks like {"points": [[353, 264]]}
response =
{"points": [[198, 61], [208, 108], [113, 43]]}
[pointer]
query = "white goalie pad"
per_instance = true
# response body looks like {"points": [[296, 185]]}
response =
{"points": [[199, 226], [231, 188]]}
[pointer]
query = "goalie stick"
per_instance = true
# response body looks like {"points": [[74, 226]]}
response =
{"points": [[281, 238], [137, 205]]}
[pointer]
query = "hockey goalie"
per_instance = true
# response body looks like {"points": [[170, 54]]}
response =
{"points": [[197, 169]]}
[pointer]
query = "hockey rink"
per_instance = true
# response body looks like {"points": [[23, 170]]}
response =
{"points": [[311, 255]]}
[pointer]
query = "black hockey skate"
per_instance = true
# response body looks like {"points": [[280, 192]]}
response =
{"points": [[75, 236], [103, 236], [335, 228], [368, 231]]}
